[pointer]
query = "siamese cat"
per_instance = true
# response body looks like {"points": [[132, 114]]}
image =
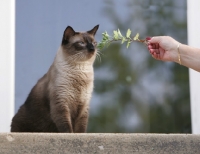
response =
{"points": [[59, 102]]}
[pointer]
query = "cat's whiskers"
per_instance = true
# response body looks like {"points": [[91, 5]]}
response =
{"points": [[98, 55]]}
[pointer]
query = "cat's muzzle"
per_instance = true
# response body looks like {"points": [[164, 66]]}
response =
{"points": [[90, 47]]}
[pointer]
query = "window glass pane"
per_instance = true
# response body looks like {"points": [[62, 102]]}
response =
{"points": [[133, 92]]}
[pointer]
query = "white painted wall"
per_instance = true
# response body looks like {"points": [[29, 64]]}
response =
{"points": [[7, 62], [194, 40]]}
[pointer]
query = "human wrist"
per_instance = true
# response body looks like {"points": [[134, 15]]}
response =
{"points": [[176, 51]]}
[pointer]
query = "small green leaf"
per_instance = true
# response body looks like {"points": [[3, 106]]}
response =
{"points": [[136, 37], [128, 33], [100, 45], [115, 34], [128, 44], [105, 36], [119, 33], [123, 39]]}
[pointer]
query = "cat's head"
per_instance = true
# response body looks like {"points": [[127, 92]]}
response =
{"points": [[80, 46]]}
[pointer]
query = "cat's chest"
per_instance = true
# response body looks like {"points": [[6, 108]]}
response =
{"points": [[76, 84], [75, 77]]}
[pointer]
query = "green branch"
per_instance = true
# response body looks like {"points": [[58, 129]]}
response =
{"points": [[117, 36]]}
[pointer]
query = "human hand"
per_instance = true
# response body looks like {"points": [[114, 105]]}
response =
{"points": [[163, 48]]}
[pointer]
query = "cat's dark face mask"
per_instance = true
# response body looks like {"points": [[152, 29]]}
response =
{"points": [[81, 45]]}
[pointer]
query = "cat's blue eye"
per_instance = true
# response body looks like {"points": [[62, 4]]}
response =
{"points": [[81, 43]]}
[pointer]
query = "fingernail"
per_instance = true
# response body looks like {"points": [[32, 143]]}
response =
{"points": [[148, 38]]}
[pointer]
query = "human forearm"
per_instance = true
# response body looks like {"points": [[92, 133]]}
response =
{"points": [[190, 57]]}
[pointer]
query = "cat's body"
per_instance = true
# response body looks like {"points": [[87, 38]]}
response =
{"points": [[59, 101]]}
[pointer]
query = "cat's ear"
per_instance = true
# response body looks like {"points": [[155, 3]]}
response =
{"points": [[69, 32], [94, 30]]}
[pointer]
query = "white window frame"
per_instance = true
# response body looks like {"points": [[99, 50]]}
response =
{"points": [[7, 63], [193, 24]]}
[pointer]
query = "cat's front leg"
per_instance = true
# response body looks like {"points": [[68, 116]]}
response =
{"points": [[81, 122], [61, 117]]}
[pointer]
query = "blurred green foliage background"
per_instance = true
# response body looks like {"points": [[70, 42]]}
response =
{"points": [[135, 93]]}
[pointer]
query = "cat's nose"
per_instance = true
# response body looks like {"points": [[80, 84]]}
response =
{"points": [[90, 47]]}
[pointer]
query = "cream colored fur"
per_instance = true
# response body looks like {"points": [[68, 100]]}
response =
{"points": [[71, 83]]}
